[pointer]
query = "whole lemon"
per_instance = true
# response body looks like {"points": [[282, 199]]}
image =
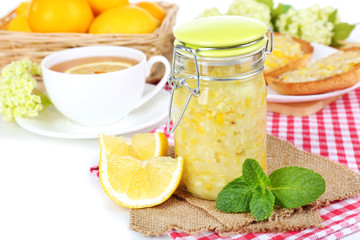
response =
{"points": [[22, 8], [126, 20], [154, 9], [19, 23], [60, 16], [99, 6]]}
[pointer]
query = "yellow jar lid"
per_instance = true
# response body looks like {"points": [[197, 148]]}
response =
{"points": [[227, 33]]}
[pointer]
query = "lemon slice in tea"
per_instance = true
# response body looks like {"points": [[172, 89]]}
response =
{"points": [[133, 182], [98, 67]]}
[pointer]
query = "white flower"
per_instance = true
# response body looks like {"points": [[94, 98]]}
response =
{"points": [[210, 12], [311, 24], [251, 8], [18, 94]]}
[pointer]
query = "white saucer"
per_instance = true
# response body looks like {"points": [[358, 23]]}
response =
{"points": [[53, 124]]}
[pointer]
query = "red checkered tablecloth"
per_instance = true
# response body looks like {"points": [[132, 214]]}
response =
{"points": [[334, 133]]}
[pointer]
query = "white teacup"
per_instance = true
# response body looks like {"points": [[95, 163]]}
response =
{"points": [[100, 99]]}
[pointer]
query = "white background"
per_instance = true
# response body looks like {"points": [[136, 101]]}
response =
{"points": [[47, 191]]}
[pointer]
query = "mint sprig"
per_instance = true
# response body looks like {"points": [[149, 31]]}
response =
{"points": [[254, 192]]}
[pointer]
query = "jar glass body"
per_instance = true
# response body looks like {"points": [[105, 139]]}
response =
{"points": [[224, 125]]}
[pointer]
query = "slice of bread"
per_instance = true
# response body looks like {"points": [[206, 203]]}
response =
{"points": [[297, 61], [340, 73]]}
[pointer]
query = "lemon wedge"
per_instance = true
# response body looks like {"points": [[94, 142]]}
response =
{"points": [[135, 178], [98, 67]]}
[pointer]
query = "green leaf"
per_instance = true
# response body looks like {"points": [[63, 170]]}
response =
{"points": [[288, 22], [295, 186], [269, 3], [45, 100], [332, 16], [299, 33], [262, 203], [237, 182], [235, 196], [335, 44], [341, 32], [254, 174], [275, 13]]}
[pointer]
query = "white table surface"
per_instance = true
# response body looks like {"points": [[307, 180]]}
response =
{"points": [[47, 189]]}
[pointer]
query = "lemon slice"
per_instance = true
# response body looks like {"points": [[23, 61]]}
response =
{"points": [[98, 67], [132, 182]]}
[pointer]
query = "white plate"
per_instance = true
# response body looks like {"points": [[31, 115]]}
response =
{"points": [[320, 51], [53, 124]]}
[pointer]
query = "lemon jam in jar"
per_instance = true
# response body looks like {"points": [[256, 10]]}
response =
{"points": [[218, 100]]}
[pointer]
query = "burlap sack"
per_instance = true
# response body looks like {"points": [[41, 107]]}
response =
{"points": [[189, 214]]}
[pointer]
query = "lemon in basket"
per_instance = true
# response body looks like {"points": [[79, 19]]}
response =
{"points": [[154, 9], [19, 23], [136, 173], [99, 6], [60, 16], [126, 20], [22, 8]]}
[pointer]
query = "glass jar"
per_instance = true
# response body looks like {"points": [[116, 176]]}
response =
{"points": [[219, 110]]}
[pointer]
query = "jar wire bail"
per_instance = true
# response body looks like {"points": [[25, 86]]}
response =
{"points": [[178, 83], [267, 50]]}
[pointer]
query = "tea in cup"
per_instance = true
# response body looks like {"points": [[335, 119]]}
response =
{"points": [[99, 85]]}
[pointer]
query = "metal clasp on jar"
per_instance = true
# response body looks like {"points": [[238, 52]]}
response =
{"points": [[175, 82]]}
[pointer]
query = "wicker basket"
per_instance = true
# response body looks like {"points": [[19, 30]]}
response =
{"points": [[17, 45]]}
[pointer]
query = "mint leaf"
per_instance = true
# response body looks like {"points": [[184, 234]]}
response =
{"points": [[275, 13], [254, 174], [341, 32], [269, 3], [262, 203], [237, 182], [332, 16], [235, 196], [295, 186]]}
